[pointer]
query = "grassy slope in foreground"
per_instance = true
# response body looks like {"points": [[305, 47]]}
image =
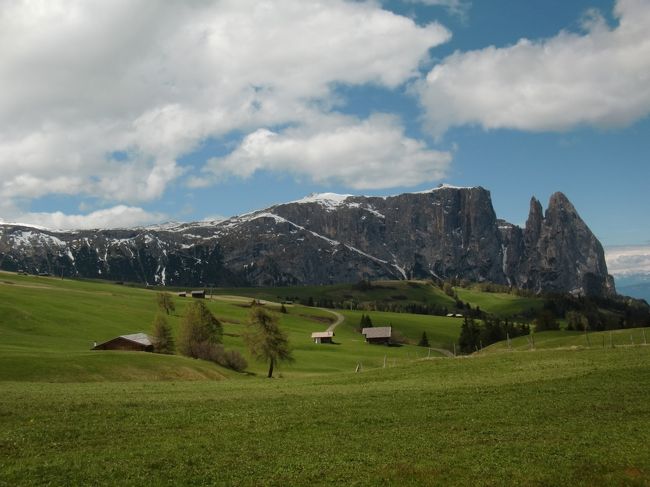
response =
{"points": [[539, 418]]}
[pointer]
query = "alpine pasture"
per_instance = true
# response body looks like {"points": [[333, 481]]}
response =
{"points": [[569, 412]]}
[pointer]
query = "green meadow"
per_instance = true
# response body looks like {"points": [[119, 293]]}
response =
{"points": [[568, 412], [48, 326]]}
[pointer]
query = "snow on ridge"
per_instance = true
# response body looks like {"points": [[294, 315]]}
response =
{"points": [[29, 225], [329, 200], [444, 186]]}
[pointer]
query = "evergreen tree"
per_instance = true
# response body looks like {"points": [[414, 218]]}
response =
{"points": [[470, 335], [283, 309], [368, 322], [163, 340], [265, 339], [546, 321], [424, 340]]}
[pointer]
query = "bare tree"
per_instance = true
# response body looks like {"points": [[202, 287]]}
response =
{"points": [[165, 302]]}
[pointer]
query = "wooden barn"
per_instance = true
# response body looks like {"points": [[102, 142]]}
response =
{"points": [[322, 336], [182, 294], [198, 294], [378, 334], [137, 342]]}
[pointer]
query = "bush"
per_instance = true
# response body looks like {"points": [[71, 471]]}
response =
{"points": [[213, 352], [234, 360]]}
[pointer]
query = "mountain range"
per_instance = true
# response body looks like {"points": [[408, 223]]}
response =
{"points": [[447, 232]]}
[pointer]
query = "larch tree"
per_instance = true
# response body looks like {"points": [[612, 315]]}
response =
{"points": [[265, 340], [165, 302], [199, 331], [163, 340]]}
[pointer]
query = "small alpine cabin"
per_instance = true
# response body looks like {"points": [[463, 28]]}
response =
{"points": [[377, 334], [137, 342], [322, 336]]}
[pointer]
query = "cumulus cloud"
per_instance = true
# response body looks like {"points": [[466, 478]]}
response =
{"points": [[120, 216], [101, 98], [628, 260], [361, 154], [599, 78]]}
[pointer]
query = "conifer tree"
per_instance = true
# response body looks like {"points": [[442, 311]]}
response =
{"points": [[265, 339], [199, 330], [163, 340]]}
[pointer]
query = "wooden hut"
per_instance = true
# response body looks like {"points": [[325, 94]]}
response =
{"points": [[378, 334], [198, 294], [322, 336], [182, 294], [137, 342]]}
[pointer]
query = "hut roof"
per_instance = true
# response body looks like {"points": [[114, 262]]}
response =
{"points": [[322, 334], [377, 332], [141, 338]]}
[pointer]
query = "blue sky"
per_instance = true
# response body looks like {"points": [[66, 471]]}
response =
{"points": [[218, 109]]}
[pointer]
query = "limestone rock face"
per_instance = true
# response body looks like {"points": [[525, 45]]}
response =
{"points": [[322, 239], [562, 254]]}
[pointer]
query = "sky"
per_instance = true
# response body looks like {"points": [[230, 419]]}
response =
{"points": [[134, 112]]}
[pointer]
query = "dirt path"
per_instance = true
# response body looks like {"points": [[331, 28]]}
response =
{"points": [[446, 353], [339, 318]]}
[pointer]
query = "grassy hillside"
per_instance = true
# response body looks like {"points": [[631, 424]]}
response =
{"points": [[539, 418], [500, 304], [568, 339], [420, 292], [48, 325]]}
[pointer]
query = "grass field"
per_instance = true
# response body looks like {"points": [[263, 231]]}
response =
{"points": [[420, 292], [501, 304], [48, 325], [574, 339], [563, 414], [538, 418]]}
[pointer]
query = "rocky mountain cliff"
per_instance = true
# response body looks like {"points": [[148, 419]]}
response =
{"points": [[322, 239]]}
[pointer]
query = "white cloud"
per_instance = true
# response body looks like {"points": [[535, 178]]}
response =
{"points": [[599, 78], [628, 260], [84, 79], [120, 216], [456, 7], [361, 154]]}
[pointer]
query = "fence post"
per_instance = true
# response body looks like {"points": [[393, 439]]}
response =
{"points": [[454, 348], [429, 356], [645, 342]]}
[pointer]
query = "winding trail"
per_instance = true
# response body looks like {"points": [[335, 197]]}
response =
{"points": [[339, 318]]}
